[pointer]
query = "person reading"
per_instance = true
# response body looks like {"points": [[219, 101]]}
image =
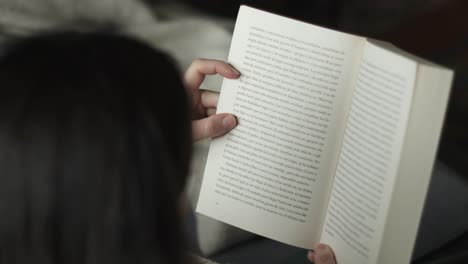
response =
{"points": [[95, 144]]}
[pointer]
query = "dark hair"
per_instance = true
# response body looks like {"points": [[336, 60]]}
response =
{"points": [[95, 144]]}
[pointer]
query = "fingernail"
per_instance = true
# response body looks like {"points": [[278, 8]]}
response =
{"points": [[229, 121], [311, 256], [233, 69]]}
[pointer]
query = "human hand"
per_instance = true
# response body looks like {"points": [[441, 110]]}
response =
{"points": [[322, 254], [206, 123]]}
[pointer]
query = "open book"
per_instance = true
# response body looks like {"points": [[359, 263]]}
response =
{"points": [[336, 140]]}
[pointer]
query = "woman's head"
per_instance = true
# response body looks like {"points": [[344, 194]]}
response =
{"points": [[94, 151]]}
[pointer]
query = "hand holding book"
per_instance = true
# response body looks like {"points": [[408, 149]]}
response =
{"points": [[322, 254], [336, 139], [207, 123]]}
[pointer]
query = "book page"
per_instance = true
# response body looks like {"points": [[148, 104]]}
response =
{"points": [[271, 175], [422, 137], [369, 156], [428, 108]]}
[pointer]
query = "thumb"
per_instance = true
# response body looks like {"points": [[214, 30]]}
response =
{"points": [[213, 126], [323, 254]]}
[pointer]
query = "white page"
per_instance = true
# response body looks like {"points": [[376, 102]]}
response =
{"points": [[369, 156], [428, 108], [271, 175]]}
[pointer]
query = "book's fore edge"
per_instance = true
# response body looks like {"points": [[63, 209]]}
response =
{"points": [[217, 112], [398, 51], [404, 253], [353, 84], [234, 34]]}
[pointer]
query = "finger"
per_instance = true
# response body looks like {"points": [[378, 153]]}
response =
{"points": [[196, 73], [209, 99], [211, 111], [324, 255], [213, 126], [311, 256]]}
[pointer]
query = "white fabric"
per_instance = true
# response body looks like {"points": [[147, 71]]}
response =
{"points": [[183, 33], [28, 16]]}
